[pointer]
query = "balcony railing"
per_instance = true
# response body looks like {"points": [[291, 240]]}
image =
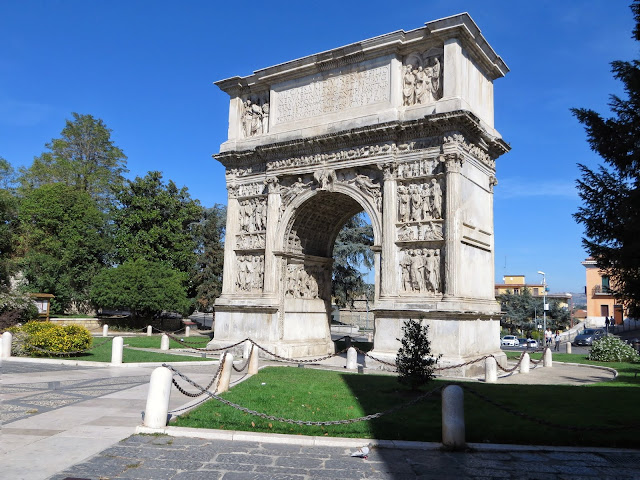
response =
{"points": [[600, 290]]}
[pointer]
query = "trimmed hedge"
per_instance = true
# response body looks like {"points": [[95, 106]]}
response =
{"points": [[33, 337]]}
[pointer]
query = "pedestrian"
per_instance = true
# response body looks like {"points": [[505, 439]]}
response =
{"points": [[607, 323], [557, 345], [547, 337]]}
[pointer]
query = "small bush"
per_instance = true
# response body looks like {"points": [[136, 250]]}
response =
{"points": [[34, 337], [612, 349], [414, 360]]}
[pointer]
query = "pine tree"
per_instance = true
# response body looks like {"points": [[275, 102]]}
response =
{"points": [[414, 360], [611, 194]]}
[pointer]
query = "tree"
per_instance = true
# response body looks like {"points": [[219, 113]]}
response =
{"points": [[210, 263], [63, 244], [611, 194], [521, 310], [156, 222], [352, 249], [84, 158], [414, 360], [145, 288], [8, 221]]}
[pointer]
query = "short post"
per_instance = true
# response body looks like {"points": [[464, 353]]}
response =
{"points": [[547, 362], [164, 342], [105, 330], [490, 370], [453, 428], [568, 344], [149, 330], [253, 361], [117, 346], [187, 331], [157, 409], [7, 338], [352, 359], [225, 375], [525, 364], [246, 349]]}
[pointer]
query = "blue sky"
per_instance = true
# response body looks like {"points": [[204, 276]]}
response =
{"points": [[146, 68]]}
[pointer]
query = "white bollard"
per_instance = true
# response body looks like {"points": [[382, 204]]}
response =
{"points": [[7, 338], [157, 409], [246, 349], [453, 428], [187, 331], [253, 361], [490, 370], [568, 347], [105, 330], [225, 375], [149, 330], [548, 362], [164, 342], [117, 346], [526, 363], [352, 359]]}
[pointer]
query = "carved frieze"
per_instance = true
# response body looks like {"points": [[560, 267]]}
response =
{"points": [[427, 166], [422, 78], [254, 241], [247, 190], [255, 115], [472, 149], [419, 201], [250, 273], [418, 232], [307, 281], [421, 271], [253, 215]]}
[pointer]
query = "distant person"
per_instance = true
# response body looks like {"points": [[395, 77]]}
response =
{"points": [[547, 337], [607, 323], [557, 339]]}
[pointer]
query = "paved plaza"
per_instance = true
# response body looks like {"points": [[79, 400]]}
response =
{"points": [[78, 422]]}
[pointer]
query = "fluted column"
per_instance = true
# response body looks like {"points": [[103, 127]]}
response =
{"points": [[233, 222], [273, 214], [388, 273], [453, 166]]}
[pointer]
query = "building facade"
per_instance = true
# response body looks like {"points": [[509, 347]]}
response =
{"points": [[601, 304]]}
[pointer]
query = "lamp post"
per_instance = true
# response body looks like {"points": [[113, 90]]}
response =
{"points": [[544, 305]]}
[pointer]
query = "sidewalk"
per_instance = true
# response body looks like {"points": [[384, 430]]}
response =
{"points": [[62, 415]]}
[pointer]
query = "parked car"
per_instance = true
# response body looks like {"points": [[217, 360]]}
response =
{"points": [[527, 343], [588, 336], [509, 341]]}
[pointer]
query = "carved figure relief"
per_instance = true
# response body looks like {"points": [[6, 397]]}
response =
{"points": [[255, 117], [419, 201], [253, 215], [325, 178], [250, 242], [422, 78], [306, 281], [249, 190], [250, 273], [420, 168], [420, 271], [422, 232], [295, 189]]}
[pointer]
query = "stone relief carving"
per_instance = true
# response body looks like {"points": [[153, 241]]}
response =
{"points": [[255, 116], [306, 281], [420, 232], [419, 168], [420, 269], [470, 148], [292, 191], [253, 215], [250, 242], [422, 78], [249, 190], [250, 273], [325, 178], [419, 201]]}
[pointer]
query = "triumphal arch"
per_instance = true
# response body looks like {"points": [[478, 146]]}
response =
{"points": [[400, 126]]}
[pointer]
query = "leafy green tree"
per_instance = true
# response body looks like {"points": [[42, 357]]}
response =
{"points": [[145, 288], [521, 309], [63, 244], [8, 222], [352, 250], [414, 360], [7, 175], [156, 222], [210, 263], [84, 158], [611, 194]]}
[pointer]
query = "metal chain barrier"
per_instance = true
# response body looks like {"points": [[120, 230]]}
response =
{"points": [[50, 352], [197, 394], [166, 333], [509, 370], [293, 360], [536, 362], [367, 354], [541, 421], [185, 342], [246, 364], [209, 349], [305, 422]]}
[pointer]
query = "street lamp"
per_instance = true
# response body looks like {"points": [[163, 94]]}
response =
{"points": [[544, 304]]}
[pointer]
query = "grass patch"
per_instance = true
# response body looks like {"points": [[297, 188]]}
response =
{"points": [[154, 342], [316, 395]]}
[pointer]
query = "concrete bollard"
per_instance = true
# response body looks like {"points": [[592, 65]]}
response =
{"points": [[568, 347], [352, 359], [117, 346], [246, 349], [548, 361], [7, 338], [105, 330], [525, 365], [164, 342], [490, 370], [225, 375], [157, 409], [187, 331], [253, 361], [149, 330], [453, 428]]}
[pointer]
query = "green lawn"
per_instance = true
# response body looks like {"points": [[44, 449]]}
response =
{"points": [[314, 395]]}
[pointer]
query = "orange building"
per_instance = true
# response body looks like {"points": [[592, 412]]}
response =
{"points": [[600, 302]]}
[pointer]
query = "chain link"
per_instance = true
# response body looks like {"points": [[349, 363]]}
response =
{"points": [[305, 422], [246, 364], [215, 376], [294, 360]]}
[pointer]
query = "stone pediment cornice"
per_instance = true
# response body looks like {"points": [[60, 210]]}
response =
{"points": [[459, 126]]}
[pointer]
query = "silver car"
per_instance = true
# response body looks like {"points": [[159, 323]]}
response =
{"points": [[588, 336]]}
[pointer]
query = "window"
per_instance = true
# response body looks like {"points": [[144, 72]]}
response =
{"points": [[536, 291], [604, 310], [605, 284]]}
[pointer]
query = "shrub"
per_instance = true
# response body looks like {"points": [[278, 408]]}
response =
{"points": [[16, 308], [414, 359], [34, 337], [612, 349]]}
